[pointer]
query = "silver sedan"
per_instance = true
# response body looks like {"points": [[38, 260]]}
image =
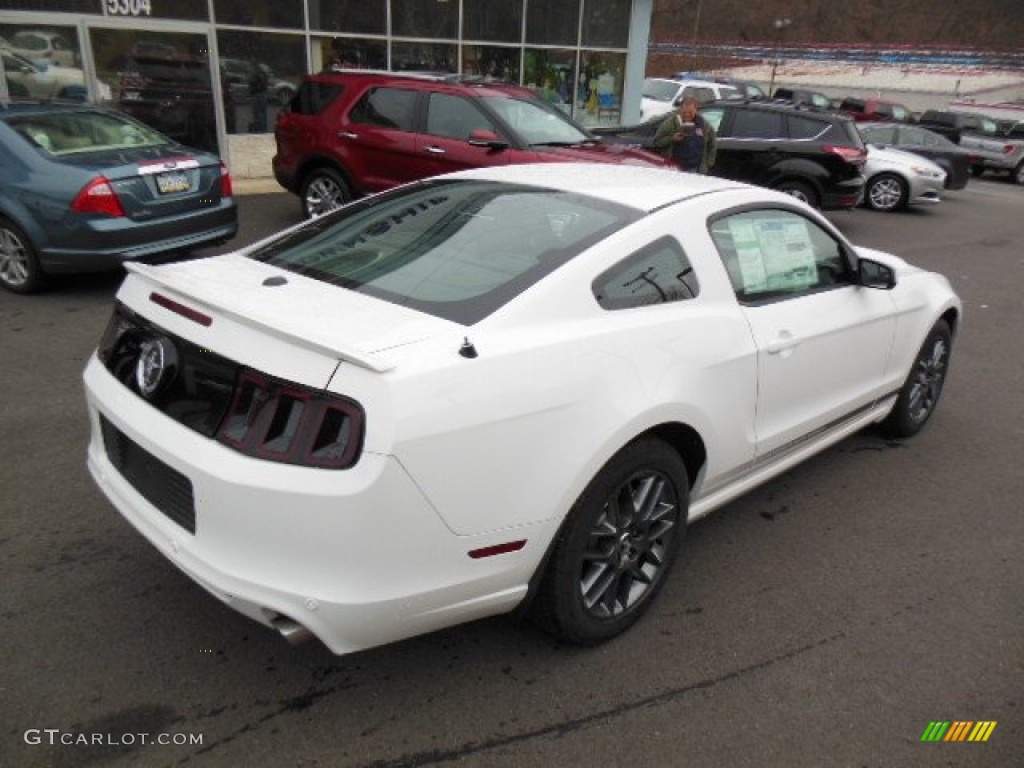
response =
{"points": [[897, 179]]}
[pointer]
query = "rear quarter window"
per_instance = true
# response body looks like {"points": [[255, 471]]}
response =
{"points": [[312, 98], [657, 274]]}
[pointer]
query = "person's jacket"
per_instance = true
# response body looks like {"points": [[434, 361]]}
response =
{"points": [[663, 139]]}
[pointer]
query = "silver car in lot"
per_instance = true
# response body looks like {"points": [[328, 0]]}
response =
{"points": [[898, 179]]}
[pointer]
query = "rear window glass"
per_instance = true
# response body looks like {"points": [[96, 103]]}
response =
{"points": [[458, 250], [80, 132], [805, 127]]}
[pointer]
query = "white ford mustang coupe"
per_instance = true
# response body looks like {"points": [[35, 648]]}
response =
{"points": [[503, 388]]}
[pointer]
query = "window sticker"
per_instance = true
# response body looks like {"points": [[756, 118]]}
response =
{"points": [[774, 254]]}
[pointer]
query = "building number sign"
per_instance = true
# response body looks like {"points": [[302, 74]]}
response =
{"points": [[126, 7]]}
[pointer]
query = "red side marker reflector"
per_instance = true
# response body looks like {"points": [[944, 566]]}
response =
{"points": [[497, 549], [180, 309]]}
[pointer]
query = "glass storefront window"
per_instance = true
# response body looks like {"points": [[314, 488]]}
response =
{"points": [[280, 14], [362, 17], [259, 74], [424, 57], [551, 73], [491, 61], [553, 22], [161, 79], [606, 23], [350, 53], [603, 73], [425, 18], [497, 20]]}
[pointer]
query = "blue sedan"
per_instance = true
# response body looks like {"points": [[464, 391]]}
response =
{"points": [[85, 189]]}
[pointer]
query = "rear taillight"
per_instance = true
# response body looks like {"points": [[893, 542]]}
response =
{"points": [[226, 188], [852, 155], [98, 197], [292, 424], [1008, 149]]}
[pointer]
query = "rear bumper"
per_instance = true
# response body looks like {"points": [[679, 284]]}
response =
{"points": [[107, 243], [358, 558], [845, 195]]}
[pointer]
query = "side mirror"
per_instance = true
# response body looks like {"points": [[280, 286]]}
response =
{"points": [[487, 139], [873, 274]]}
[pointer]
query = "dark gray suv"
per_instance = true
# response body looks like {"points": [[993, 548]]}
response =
{"points": [[815, 156]]}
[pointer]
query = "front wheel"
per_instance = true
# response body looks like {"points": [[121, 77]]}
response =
{"points": [[19, 266], [800, 191], [886, 192], [617, 546], [920, 393], [323, 191]]}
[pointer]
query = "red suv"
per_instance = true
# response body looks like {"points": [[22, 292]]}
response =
{"points": [[875, 110], [348, 134]]}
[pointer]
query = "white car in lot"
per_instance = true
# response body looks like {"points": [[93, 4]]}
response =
{"points": [[897, 179], [663, 95], [503, 388]]}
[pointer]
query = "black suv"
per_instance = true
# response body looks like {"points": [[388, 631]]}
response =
{"points": [[815, 156]]}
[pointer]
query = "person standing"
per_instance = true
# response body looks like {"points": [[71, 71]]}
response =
{"points": [[687, 138]]}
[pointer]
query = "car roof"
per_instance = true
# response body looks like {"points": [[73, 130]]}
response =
{"points": [[476, 82], [639, 187]]}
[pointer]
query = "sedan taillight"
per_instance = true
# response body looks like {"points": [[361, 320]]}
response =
{"points": [[226, 188], [98, 197], [292, 424]]}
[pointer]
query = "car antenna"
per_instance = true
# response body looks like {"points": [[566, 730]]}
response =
{"points": [[467, 349]]}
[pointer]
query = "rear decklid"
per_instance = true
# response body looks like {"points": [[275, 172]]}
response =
{"points": [[308, 313]]}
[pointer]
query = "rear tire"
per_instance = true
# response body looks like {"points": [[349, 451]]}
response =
{"points": [[617, 546], [801, 191], [1018, 173], [920, 392], [323, 191], [19, 266]]}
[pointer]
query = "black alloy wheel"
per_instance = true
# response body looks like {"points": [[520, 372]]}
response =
{"points": [[617, 546]]}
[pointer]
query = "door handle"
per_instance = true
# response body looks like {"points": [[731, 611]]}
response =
{"points": [[347, 135], [782, 344], [434, 150]]}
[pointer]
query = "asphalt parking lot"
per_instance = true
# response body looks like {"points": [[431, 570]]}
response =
{"points": [[825, 619]]}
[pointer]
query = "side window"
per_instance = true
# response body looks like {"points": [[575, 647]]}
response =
{"points": [[454, 117], [776, 254], [386, 107], [882, 135], [805, 127], [755, 124], [883, 109], [701, 94], [657, 274], [901, 113], [714, 116]]}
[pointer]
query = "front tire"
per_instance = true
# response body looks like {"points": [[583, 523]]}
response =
{"points": [[920, 393], [19, 266], [617, 546], [886, 192], [323, 191]]}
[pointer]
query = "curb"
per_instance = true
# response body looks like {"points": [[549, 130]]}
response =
{"points": [[258, 186]]}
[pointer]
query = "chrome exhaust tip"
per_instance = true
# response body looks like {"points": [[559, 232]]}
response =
{"points": [[291, 630]]}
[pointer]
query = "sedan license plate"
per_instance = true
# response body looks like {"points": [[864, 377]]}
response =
{"points": [[175, 181]]}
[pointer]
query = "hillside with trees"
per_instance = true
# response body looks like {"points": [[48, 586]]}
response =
{"points": [[981, 24]]}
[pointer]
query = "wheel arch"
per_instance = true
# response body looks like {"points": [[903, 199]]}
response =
{"points": [[314, 162]]}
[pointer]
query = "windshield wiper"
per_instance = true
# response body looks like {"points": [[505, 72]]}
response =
{"points": [[563, 143]]}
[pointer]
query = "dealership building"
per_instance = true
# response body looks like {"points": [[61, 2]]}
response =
{"points": [[215, 73]]}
